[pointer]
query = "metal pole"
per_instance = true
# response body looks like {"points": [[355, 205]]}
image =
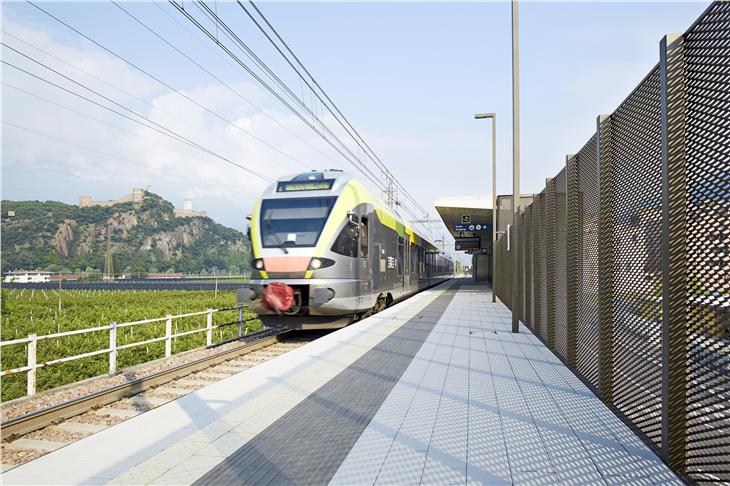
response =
{"points": [[515, 165], [675, 412], [494, 206]]}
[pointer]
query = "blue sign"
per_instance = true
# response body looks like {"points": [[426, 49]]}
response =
{"points": [[473, 227]]}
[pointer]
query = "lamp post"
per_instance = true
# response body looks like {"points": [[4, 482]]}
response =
{"points": [[493, 117], [516, 194]]}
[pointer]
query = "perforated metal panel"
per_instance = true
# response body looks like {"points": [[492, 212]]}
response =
{"points": [[522, 280], [707, 68], [561, 263], [588, 284], [529, 297], [540, 257], [646, 283], [636, 156]]}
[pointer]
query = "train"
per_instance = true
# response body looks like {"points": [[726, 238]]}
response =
{"points": [[328, 252]]}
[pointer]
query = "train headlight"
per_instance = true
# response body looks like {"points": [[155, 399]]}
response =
{"points": [[258, 264], [317, 263]]}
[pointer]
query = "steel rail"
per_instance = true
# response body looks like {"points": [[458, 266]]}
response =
{"points": [[25, 424]]}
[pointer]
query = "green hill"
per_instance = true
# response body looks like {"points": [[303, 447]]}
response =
{"points": [[146, 237]]}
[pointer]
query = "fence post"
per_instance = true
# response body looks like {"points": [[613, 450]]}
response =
{"points": [[240, 321], [209, 328], [515, 248], [605, 257], [32, 351], [674, 207], [168, 336], [574, 257], [112, 348], [529, 297]]}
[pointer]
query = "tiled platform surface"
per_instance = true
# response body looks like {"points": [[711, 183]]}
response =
{"points": [[434, 390]]}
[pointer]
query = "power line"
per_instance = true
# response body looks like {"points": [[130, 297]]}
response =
{"points": [[85, 115], [91, 149], [212, 75], [378, 161], [163, 83], [355, 134], [236, 40], [137, 98], [212, 16], [162, 129], [231, 35]]}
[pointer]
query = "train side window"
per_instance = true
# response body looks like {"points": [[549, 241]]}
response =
{"points": [[399, 265], [346, 242], [364, 237]]}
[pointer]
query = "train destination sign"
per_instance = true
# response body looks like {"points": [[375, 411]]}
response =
{"points": [[295, 186], [473, 243]]}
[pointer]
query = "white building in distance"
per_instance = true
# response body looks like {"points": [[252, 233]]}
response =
{"points": [[27, 276]]}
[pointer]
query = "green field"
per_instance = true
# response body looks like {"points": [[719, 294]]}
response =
{"points": [[46, 312]]}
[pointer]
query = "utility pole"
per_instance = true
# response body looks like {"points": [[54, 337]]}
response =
{"points": [[109, 263]]}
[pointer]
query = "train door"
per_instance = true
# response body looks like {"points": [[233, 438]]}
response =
{"points": [[365, 269], [400, 266], [407, 261]]}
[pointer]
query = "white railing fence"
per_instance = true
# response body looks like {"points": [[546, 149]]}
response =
{"points": [[31, 341]]}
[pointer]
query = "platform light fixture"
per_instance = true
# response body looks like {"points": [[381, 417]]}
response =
{"points": [[493, 117]]}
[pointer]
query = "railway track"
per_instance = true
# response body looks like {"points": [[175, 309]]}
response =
{"points": [[30, 436]]}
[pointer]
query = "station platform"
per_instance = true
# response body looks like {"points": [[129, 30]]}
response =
{"points": [[433, 390]]}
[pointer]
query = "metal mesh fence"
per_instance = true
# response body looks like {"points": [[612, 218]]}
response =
{"points": [[637, 191], [561, 253], [588, 282], [540, 267], [707, 68], [527, 245], [626, 253]]}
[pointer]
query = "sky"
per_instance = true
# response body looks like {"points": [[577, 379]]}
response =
{"points": [[409, 77]]}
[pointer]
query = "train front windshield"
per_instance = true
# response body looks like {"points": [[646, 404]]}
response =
{"points": [[295, 222]]}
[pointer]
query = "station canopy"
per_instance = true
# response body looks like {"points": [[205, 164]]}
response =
{"points": [[467, 218]]}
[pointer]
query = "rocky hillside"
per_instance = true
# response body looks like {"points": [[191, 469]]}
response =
{"points": [[146, 237]]}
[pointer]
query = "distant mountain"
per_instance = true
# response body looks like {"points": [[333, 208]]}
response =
{"points": [[145, 237]]}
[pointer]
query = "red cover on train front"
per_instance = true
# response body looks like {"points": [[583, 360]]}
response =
{"points": [[279, 296]]}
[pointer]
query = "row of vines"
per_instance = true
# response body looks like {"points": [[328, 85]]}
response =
{"points": [[26, 311]]}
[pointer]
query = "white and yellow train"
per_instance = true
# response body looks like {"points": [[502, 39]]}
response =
{"points": [[334, 252]]}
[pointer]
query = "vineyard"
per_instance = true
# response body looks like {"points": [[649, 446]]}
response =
{"points": [[26, 311]]}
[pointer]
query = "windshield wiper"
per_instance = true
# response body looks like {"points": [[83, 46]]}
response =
{"points": [[277, 241]]}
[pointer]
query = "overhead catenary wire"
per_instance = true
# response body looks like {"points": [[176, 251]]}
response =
{"points": [[156, 126], [370, 152], [91, 149], [231, 35], [131, 95], [215, 77], [163, 83], [97, 120]]}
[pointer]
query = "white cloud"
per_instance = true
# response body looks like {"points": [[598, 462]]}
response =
{"points": [[141, 153]]}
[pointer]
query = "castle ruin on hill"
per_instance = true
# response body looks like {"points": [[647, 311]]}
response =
{"points": [[137, 195]]}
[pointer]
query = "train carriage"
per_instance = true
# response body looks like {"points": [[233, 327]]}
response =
{"points": [[327, 252]]}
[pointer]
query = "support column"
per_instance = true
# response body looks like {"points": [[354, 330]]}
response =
{"points": [[574, 257], [674, 207], [605, 258]]}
